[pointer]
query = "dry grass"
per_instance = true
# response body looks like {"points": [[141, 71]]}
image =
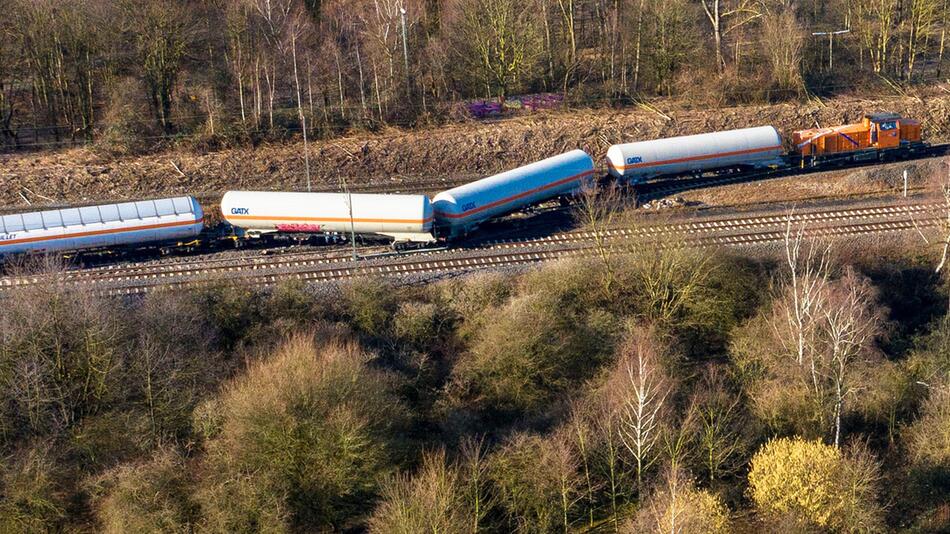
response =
{"points": [[460, 150]]}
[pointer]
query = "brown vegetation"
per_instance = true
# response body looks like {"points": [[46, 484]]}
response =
{"points": [[494, 403]]}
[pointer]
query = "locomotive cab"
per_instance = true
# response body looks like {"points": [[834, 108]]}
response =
{"points": [[883, 129]]}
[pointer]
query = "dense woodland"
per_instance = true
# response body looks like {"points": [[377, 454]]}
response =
{"points": [[136, 74], [662, 391]]}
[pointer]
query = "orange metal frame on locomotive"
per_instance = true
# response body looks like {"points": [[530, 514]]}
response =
{"points": [[881, 131]]}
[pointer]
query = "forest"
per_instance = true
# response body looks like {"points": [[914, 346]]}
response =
{"points": [[134, 75], [664, 390]]}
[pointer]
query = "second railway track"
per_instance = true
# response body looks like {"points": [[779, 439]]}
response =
{"points": [[330, 265]]}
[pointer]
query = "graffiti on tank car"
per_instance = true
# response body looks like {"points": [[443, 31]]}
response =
{"points": [[240, 211], [634, 159], [298, 227], [468, 206], [7, 237]]}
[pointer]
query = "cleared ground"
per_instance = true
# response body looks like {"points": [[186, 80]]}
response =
{"points": [[465, 150]]}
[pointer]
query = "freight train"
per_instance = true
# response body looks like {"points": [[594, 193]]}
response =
{"points": [[459, 211]]}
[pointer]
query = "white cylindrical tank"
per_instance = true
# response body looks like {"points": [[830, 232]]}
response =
{"points": [[403, 217], [105, 225], [101, 225], [459, 210], [755, 147]]}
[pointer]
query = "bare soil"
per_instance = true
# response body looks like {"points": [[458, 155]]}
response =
{"points": [[471, 149], [884, 180]]}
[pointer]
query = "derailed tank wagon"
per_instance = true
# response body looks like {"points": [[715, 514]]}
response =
{"points": [[460, 210], [404, 218], [124, 224]]}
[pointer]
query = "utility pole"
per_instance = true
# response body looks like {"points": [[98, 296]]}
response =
{"points": [[831, 44], [405, 45], [349, 204], [303, 118]]}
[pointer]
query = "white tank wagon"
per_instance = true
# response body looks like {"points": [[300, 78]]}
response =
{"points": [[105, 225], [402, 217], [459, 210], [749, 147]]}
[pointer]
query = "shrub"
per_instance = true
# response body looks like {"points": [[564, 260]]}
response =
{"points": [[536, 482], [677, 505], [232, 310], [815, 485], [429, 501], [469, 297], [152, 496], [419, 325], [308, 431], [31, 499], [370, 304], [536, 348], [928, 438], [61, 353]]}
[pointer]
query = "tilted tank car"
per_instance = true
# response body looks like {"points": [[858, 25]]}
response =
{"points": [[747, 148], [105, 225], [459, 210], [405, 218], [877, 137]]}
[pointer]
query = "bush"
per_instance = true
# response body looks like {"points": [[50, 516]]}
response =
{"points": [[232, 310], [928, 438], [370, 304], [471, 296], [816, 485], [308, 431], [31, 499], [420, 325], [429, 501], [61, 353], [153, 496], [677, 505], [536, 482], [536, 348]]}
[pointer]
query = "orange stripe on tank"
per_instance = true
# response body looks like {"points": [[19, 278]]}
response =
{"points": [[691, 158], [323, 219], [98, 232]]}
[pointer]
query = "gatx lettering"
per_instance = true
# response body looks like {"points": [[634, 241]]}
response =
{"points": [[634, 159], [239, 211]]}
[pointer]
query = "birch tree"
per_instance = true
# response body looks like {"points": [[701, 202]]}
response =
{"points": [[498, 42], [642, 412], [726, 16]]}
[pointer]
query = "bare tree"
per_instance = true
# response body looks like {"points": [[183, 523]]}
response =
{"points": [[850, 326], [809, 276], [825, 331], [598, 209], [641, 416], [726, 16], [498, 41], [718, 424]]}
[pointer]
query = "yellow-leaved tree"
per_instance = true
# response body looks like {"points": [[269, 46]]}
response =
{"points": [[815, 484]]}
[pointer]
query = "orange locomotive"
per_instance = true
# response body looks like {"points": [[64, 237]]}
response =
{"points": [[879, 136]]}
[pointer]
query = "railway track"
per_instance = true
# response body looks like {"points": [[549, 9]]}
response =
{"points": [[660, 189], [334, 265]]}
